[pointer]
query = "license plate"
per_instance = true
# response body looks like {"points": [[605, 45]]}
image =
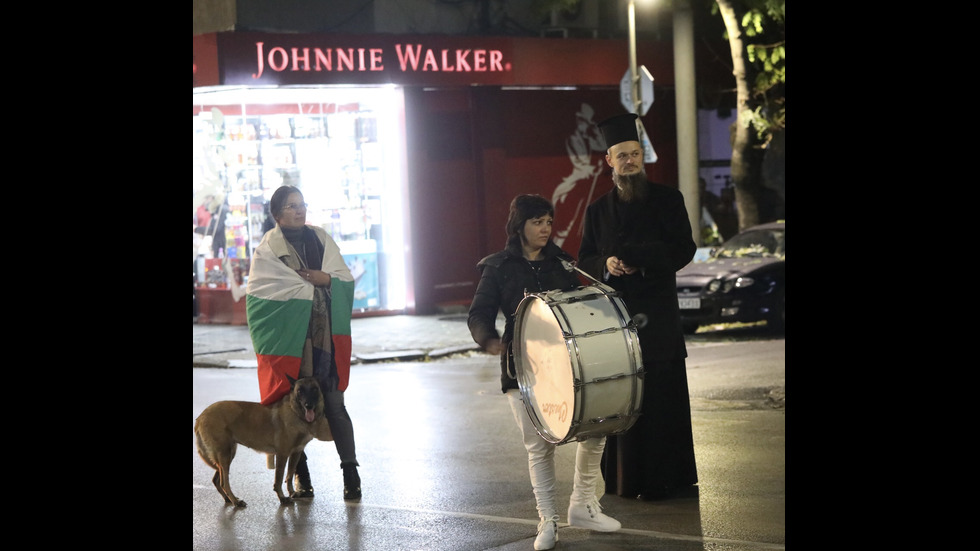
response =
{"points": [[689, 303]]}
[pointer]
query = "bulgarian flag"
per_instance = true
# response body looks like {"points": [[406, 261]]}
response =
{"points": [[278, 303]]}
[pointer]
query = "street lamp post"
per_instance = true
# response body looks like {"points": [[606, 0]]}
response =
{"points": [[685, 94], [636, 89], [634, 74]]}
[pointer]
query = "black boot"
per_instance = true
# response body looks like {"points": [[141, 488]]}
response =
{"points": [[303, 486], [352, 482]]}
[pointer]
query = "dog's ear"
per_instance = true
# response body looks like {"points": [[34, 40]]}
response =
{"points": [[292, 381]]}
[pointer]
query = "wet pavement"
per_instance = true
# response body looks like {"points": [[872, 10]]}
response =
{"points": [[377, 338], [443, 467]]}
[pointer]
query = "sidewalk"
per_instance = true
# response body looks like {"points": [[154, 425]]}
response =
{"points": [[374, 339]]}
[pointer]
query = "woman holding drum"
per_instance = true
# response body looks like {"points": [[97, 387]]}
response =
{"points": [[532, 263]]}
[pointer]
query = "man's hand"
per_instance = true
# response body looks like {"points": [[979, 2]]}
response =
{"points": [[617, 267]]}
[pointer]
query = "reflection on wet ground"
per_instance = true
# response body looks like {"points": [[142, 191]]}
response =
{"points": [[727, 332]]}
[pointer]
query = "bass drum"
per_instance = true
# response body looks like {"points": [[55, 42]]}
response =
{"points": [[578, 363]]}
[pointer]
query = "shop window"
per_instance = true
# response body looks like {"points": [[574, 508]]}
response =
{"points": [[337, 153]]}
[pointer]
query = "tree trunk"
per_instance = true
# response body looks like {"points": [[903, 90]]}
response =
{"points": [[746, 164]]}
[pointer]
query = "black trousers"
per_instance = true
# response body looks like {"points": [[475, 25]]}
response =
{"points": [[340, 425]]}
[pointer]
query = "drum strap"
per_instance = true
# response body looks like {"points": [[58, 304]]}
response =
{"points": [[507, 357]]}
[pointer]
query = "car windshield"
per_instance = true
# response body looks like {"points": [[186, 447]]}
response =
{"points": [[757, 243]]}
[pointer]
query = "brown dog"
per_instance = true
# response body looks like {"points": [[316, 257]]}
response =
{"points": [[283, 428]]}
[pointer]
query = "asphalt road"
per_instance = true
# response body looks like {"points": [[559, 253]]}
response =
{"points": [[443, 468]]}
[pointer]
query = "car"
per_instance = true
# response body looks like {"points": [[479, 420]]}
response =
{"points": [[741, 281]]}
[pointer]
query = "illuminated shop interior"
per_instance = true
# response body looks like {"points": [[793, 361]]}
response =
{"points": [[343, 147]]}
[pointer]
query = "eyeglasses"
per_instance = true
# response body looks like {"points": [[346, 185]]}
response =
{"points": [[294, 206]]}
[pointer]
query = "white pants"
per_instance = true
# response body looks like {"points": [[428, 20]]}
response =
{"points": [[541, 463]]}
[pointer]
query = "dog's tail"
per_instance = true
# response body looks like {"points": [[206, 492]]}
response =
{"points": [[203, 451], [270, 460]]}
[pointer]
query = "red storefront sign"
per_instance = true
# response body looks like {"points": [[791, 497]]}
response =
{"points": [[260, 59]]}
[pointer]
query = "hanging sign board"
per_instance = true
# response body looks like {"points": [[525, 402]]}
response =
{"points": [[646, 90], [649, 155]]}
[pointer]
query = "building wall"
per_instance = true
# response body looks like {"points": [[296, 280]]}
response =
{"points": [[591, 19], [443, 194], [214, 15], [471, 150], [347, 16]]}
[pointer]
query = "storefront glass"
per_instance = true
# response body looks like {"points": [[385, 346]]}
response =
{"points": [[342, 146]]}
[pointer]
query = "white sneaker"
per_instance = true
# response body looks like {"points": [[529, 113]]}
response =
{"points": [[547, 533], [589, 515]]}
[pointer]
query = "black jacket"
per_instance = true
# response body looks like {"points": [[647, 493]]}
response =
{"points": [[505, 278], [654, 235]]}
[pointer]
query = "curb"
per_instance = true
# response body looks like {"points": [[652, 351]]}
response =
{"points": [[415, 355]]}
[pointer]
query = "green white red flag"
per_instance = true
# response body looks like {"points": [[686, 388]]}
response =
{"points": [[278, 303]]}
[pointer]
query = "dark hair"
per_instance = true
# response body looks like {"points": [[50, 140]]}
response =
{"points": [[522, 209], [278, 200]]}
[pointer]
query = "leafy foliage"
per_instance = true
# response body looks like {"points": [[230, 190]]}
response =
{"points": [[763, 24]]}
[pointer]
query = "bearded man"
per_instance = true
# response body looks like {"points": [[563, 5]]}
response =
{"points": [[636, 237]]}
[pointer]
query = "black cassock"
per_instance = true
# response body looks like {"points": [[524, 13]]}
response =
{"points": [[655, 457]]}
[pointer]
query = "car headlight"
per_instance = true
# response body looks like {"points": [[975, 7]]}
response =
{"points": [[726, 285]]}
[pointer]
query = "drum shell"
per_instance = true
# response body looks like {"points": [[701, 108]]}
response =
{"points": [[578, 363]]}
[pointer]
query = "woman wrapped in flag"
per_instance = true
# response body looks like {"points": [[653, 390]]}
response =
{"points": [[298, 302]]}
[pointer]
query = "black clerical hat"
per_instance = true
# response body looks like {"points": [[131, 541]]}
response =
{"points": [[619, 129]]}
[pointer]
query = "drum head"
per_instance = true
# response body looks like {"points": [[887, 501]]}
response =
{"points": [[544, 372]]}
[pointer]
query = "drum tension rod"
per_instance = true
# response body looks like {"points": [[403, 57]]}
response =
{"points": [[581, 298], [599, 420], [579, 383], [568, 335]]}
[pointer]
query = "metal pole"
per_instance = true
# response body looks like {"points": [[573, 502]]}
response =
{"points": [[687, 114], [634, 74]]}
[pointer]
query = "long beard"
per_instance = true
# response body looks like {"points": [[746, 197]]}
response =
{"points": [[631, 187]]}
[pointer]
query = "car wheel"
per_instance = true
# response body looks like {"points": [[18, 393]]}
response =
{"points": [[777, 316], [690, 328]]}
